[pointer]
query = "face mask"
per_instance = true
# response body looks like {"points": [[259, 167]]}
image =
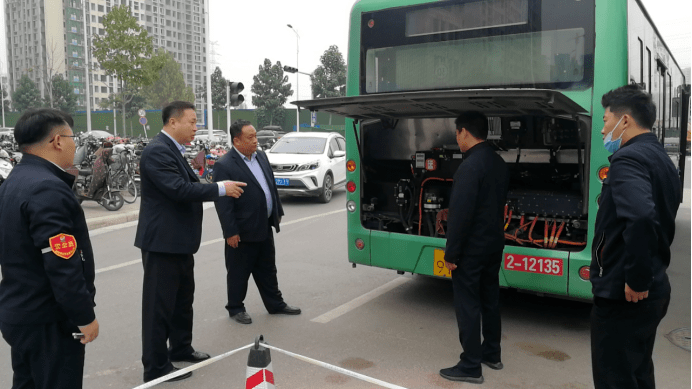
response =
{"points": [[610, 144]]}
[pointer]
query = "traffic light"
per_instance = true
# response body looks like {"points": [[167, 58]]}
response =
{"points": [[235, 89], [290, 69]]}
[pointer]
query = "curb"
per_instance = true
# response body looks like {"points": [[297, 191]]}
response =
{"points": [[106, 221], [132, 216]]}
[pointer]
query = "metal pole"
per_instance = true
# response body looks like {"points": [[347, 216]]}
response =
{"points": [[210, 112], [2, 94], [85, 42], [297, 78], [228, 114]]}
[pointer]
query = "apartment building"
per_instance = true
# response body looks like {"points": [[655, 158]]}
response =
{"points": [[46, 37]]}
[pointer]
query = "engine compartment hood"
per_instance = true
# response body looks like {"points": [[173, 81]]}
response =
{"points": [[448, 103]]}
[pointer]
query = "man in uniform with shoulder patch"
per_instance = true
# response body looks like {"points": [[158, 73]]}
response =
{"points": [[47, 288]]}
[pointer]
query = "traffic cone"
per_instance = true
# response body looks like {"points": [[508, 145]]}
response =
{"points": [[259, 367]]}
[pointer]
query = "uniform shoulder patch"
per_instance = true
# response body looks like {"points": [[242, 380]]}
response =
{"points": [[63, 245]]}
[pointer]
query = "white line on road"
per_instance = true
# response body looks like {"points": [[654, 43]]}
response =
{"points": [[358, 301], [207, 243]]}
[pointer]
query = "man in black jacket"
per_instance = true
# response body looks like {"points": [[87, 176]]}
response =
{"points": [[635, 226], [169, 233], [475, 241], [246, 223], [47, 288]]}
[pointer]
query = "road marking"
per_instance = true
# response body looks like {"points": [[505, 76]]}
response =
{"points": [[209, 242], [686, 198], [358, 301], [109, 268]]}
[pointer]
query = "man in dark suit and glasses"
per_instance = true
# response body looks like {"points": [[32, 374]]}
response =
{"points": [[169, 233], [246, 223], [475, 241]]}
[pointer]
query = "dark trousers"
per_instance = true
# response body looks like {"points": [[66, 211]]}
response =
{"points": [[622, 341], [476, 286], [45, 356], [258, 259], [167, 296]]}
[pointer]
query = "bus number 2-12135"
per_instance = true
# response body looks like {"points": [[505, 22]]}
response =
{"points": [[548, 266]]}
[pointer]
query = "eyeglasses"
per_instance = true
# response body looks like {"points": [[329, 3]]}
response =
{"points": [[66, 136]]}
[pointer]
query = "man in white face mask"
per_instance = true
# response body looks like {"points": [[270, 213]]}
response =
{"points": [[635, 226]]}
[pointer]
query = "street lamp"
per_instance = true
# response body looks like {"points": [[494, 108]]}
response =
{"points": [[297, 84]]}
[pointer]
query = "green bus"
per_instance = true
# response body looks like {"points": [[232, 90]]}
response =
{"points": [[537, 69]]}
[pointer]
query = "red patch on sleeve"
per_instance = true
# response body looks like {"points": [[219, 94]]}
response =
{"points": [[63, 245]]}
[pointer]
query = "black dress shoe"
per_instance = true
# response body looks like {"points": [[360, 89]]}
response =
{"points": [[195, 357], [287, 310], [242, 318], [178, 378]]}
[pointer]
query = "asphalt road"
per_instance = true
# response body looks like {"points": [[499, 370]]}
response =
{"points": [[402, 335]]}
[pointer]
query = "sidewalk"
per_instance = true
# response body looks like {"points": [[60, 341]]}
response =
{"points": [[97, 216]]}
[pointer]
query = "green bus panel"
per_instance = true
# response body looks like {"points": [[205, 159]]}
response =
{"points": [[579, 288], [356, 231]]}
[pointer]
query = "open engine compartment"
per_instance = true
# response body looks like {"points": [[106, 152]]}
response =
{"points": [[408, 165]]}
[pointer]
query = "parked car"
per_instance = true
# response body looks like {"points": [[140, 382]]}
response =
{"points": [[309, 164], [218, 136], [267, 136]]}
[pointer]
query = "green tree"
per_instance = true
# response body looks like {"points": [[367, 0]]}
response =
{"points": [[329, 79], [271, 90], [26, 95], [63, 98], [218, 90], [170, 85], [125, 50]]}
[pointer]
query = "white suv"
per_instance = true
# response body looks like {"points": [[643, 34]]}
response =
{"points": [[309, 164]]}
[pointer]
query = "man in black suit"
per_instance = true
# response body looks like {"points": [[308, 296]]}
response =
{"points": [[475, 241], [169, 233], [247, 223]]}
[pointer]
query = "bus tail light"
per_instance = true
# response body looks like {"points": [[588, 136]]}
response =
{"points": [[585, 273], [603, 173], [351, 186], [351, 166], [351, 206], [360, 244]]}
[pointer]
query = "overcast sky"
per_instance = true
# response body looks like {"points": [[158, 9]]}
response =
{"points": [[245, 32]]}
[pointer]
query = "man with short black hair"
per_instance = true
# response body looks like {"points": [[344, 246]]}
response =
{"points": [[246, 224], [475, 241], [47, 289], [635, 226], [169, 233]]}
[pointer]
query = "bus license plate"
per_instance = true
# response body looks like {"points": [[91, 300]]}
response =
{"points": [[528, 264], [439, 268], [282, 181]]}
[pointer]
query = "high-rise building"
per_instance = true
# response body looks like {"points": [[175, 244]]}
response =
{"points": [[46, 37]]}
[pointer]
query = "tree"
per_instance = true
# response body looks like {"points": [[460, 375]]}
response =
{"points": [[170, 85], [62, 97], [125, 50], [329, 79], [271, 90], [26, 95], [218, 90]]}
